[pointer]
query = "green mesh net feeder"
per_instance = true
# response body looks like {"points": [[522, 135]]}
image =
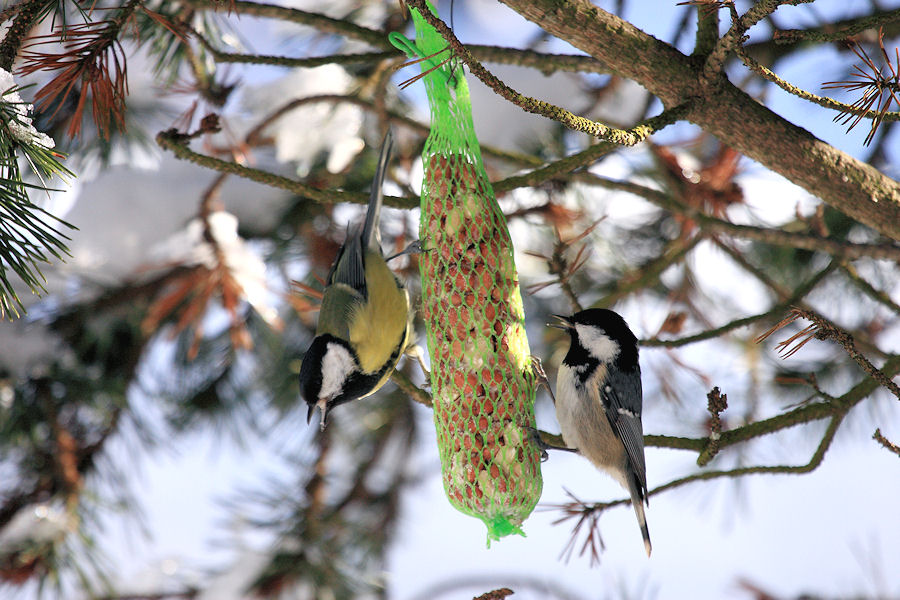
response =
{"points": [[482, 384]]}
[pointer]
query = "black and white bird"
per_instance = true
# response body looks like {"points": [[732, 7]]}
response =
{"points": [[598, 400]]}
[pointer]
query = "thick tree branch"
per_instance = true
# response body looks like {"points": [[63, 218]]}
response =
{"points": [[738, 120]]}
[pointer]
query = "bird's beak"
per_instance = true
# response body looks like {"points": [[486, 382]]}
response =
{"points": [[322, 405], [565, 323]]}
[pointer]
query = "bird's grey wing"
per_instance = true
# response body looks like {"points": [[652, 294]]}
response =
{"points": [[621, 394], [349, 267]]}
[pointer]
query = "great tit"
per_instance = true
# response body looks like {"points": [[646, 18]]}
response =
{"points": [[598, 400], [363, 325]]}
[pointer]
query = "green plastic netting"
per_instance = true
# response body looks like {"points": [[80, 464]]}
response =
{"points": [[481, 379]]}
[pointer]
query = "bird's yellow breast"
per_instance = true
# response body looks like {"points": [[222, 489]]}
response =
{"points": [[379, 327]]}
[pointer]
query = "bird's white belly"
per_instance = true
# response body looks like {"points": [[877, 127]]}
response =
{"points": [[584, 425]]}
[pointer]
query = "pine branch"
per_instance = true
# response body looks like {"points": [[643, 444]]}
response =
{"points": [[814, 462], [175, 142], [734, 37], [320, 22], [834, 410], [816, 99], [288, 61], [93, 63], [836, 31], [581, 159], [776, 310], [868, 289], [411, 389], [720, 108], [798, 416], [28, 234], [823, 329], [589, 513]]}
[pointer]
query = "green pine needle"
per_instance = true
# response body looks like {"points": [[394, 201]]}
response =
{"points": [[28, 233]]}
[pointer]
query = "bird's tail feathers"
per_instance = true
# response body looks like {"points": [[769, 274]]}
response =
{"points": [[637, 501], [370, 233]]}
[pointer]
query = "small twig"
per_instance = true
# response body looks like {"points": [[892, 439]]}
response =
{"points": [[411, 389], [555, 169], [823, 101], [175, 142], [648, 273], [776, 237], [805, 413], [823, 329], [717, 402], [322, 23], [589, 514], [734, 37], [587, 517], [289, 61], [498, 594], [564, 269], [707, 25], [833, 34], [868, 289], [779, 237], [878, 437], [797, 296], [810, 466], [569, 164]]}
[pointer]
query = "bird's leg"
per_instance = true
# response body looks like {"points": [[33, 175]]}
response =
{"points": [[415, 351], [537, 367], [536, 438], [413, 248]]}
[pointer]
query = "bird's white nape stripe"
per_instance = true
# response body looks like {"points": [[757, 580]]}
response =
{"points": [[337, 364], [598, 344]]}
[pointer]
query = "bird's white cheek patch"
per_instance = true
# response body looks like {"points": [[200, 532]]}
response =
{"points": [[337, 364], [597, 343]]}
